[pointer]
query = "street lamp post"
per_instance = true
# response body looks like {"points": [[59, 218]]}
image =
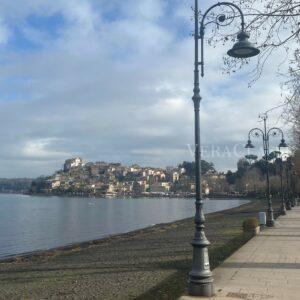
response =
{"points": [[293, 179], [200, 277], [283, 203], [284, 191], [289, 194], [266, 134]]}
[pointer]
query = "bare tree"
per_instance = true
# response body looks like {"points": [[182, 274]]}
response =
{"points": [[292, 109], [273, 24], [253, 181]]}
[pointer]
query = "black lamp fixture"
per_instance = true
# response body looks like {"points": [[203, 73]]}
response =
{"points": [[243, 48], [282, 144], [249, 144]]}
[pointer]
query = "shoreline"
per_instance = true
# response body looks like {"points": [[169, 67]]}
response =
{"points": [[89, 243], [175, 196]]}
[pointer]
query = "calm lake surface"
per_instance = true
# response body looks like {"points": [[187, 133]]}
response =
{"points": [[30, 223]]}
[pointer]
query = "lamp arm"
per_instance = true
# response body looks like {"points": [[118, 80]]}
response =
{"points": [[202, 27], [275, 128], [256, 129]]}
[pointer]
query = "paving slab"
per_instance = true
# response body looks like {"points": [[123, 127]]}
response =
{"points": [[267, 267]]}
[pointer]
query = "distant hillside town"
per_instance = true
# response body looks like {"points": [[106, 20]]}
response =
{"points": [[102, 179], [114, 179]]}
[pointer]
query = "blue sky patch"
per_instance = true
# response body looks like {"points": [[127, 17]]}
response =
{"points": [[48, 24], [20, 42]]}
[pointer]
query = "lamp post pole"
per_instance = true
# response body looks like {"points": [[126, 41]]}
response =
{"points": [[292, 189], [283, 205], [270, 215], [289, 176], [200, 277], [292, 185], [294, 174], [265, 134], [287, 195]]}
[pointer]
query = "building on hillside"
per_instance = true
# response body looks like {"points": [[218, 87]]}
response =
{"points": [[172, 174], [135, 168], [112, 190], [159, 187], [175, 176], [71, 163], [55, 184]]}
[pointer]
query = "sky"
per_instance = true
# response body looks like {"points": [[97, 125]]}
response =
{"points": [[112, 81]]}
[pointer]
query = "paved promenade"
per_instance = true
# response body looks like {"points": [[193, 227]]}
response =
{"points": [[267, 267]]}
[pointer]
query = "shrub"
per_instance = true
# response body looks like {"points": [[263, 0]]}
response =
{"points": [[250, 224]]}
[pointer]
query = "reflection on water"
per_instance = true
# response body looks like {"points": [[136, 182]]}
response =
{"points": [[32, 223]]}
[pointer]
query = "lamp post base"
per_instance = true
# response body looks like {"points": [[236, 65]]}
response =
{"points": [[201, 289], [270, 217], [283, 210], [200, 278]]}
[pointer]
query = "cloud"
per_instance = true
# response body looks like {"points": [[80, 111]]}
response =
{"points": [[115, 84], [41, 148]]}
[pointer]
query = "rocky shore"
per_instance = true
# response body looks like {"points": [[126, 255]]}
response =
{"points": [[151, 263]]}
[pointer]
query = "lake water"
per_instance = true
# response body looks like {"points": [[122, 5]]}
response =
{"points": [[30, 223]]}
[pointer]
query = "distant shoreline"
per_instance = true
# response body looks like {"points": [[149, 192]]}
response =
{"points": [[158, 195]]}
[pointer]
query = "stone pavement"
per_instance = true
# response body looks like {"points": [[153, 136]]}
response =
{"points": [[267, 267]]}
